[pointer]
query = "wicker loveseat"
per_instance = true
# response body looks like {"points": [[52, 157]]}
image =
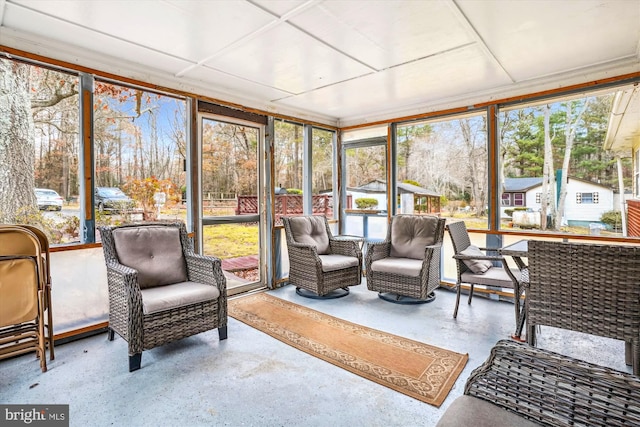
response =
{"points": [[160, 290], [524, 386]]}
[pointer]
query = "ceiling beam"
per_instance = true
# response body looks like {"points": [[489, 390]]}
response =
{"points": [[462, 18], [254, 34]]}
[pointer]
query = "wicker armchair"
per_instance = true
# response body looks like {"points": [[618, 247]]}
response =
{"points": [[522, 386], [159, 290], [320, 264], [405, 267], [587, 288], [476, 268]]}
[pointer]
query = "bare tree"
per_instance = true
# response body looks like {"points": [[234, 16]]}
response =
{"points": [[547, 199], [570, 135], [16, 141]]}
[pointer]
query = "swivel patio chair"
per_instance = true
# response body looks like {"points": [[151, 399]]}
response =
{"points": [[160, 290], [319, 264], [22, 294], [475, 267], [405, 267]]}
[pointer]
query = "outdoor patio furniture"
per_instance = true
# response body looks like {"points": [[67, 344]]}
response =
{"points": [[589, 288], [475, 267], [160, 290], [520, 385], [405, 267], [319, 264], [22, 294]]}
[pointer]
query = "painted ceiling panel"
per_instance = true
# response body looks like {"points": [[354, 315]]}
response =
{"points": [[381, 36], [531, 40], [282, 7], [289, 60], [232, 84], [99, 43], [180, 28], [439, 77]]}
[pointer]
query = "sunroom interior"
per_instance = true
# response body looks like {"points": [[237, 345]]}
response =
{"points": [[228, 115]]}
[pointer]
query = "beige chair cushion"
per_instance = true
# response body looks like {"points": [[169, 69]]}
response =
{"points": [[18, 291], [177, 295], [333, 262], [403, 266], [411, 234], [155, 252], [310, 230], [478, 266], [472, 411]]}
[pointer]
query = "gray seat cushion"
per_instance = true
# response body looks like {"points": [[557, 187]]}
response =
{"points": [[495, 276], [478, 266], [471, 411], [155, 252], [333, 262], [410, 234], [310, 230], [403, 266], [161, 298]]}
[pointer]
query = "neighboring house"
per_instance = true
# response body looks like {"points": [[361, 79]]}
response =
{"points": [[623, 138], [585, 203], [412, 197]]}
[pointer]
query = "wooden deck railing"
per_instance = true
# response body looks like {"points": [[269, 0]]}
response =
{"points": [[287, 204]]}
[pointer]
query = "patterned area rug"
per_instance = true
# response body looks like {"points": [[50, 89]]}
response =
{"points": [[419, 370]]}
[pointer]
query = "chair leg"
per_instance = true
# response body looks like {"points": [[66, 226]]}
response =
{"points": [[50, 323], [134, 362], [470, 294], [110, 334], [531, 335], [222, 333], [455, 310]]}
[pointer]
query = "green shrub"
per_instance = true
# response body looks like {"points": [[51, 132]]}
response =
{"points": [[366, 203], [509, 212], [294, 191], [612, 219]]}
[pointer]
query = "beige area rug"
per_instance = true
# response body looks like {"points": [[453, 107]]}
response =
{"points": [[419, 370]]}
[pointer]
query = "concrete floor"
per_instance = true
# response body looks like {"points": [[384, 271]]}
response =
{"points": [[252, 379]]}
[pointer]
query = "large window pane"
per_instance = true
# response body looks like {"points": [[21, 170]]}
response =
{"points": [[322, 172], [366, 192], [442, 168], [140, 152], [555, 168], [39, 149]]}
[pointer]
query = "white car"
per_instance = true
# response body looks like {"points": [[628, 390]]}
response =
{"points": [[48, 199]]}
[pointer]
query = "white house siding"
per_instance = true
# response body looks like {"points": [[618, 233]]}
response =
{"points": [[585, 212]]}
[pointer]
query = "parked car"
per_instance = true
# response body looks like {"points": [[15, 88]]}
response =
{"points": [[112, 200], [48, 199]]}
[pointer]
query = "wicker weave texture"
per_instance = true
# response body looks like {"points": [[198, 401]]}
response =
{"points": [[587, 288], [415, 287], [305, 266], [143, 332], [555, 390]]}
